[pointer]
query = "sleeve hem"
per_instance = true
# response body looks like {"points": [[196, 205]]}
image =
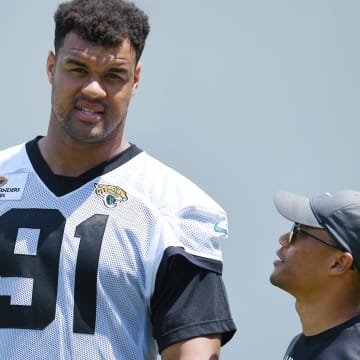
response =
{"points": [[226, 328]]}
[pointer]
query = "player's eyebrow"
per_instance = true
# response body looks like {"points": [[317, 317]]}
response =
{"points": [[75, 62], [121, 68]]}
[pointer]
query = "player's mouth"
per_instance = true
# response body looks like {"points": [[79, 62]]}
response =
{"points": [[88, 115], [279, 260], [89, 111]]}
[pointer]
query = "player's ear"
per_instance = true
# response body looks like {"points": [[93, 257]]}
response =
{"points": [[50, 66], [341, 262], [137, 74]]}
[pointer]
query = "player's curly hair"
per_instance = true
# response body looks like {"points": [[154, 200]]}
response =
{"points": [[102, 22]]}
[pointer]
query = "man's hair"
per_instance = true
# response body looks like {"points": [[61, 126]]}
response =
{"points": [[102, 22]]}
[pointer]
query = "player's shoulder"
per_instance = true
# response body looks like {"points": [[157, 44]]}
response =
{"points": [[155, 173], [12, 150], [12, 158], [166, 185]]}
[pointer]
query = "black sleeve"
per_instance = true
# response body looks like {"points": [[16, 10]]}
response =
{"points": [[189, 299]]}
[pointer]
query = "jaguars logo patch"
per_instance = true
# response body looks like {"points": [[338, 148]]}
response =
{"points": [[111, 195]]}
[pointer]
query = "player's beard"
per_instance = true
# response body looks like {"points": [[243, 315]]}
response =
{"points": [[273, 279], [98, 133], [278, 279]]}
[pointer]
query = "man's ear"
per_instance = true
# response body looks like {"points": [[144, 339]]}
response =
{"points": [[50, 66], [137, 75], [341, 263]]}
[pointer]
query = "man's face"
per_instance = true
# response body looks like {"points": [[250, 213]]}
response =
{"points": [[91, 88], [302, 266]]}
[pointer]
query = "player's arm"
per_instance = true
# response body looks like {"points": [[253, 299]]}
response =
{"points": [[199, 348], [190, 312]]}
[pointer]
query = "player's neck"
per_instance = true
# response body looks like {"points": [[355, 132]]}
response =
{"points": [[69, 158], [322, 315]]}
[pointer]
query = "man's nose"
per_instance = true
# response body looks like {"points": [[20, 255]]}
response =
{"points": [[284, 240], [94, 90]]}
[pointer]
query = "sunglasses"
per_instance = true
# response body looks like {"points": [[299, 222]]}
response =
{"points": [[297, 228]]}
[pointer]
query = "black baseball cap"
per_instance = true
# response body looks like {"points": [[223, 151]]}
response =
{"points": [[338, 213]]}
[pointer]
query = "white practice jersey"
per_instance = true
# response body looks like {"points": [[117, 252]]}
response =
{"points": [[80, 257]]}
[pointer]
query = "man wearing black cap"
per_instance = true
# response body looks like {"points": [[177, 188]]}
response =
{"points": [[318, 263]]}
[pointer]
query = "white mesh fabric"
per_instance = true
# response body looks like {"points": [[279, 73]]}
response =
{"points": [[162, 209]]}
